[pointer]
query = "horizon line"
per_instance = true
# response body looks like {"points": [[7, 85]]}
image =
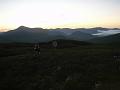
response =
{"points": [[5, 30]]}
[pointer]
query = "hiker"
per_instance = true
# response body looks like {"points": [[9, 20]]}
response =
{"points": [[37, 49]]}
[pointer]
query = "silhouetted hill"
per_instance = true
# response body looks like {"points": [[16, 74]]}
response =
{"points": [[25, 34], [69, 43], [32, 35], [80, 36], [56, 33], [107, 39], [88, 31]]}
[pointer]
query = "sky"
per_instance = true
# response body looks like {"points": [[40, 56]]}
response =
{"points": [[59, 13]]}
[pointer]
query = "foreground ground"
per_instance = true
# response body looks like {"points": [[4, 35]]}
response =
{"points": [[90, 67]]}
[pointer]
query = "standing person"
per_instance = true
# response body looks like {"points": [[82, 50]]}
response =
{"points": [[37, 49]]}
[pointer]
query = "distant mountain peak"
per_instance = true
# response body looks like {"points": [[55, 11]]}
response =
{"points": [[22, 28]]}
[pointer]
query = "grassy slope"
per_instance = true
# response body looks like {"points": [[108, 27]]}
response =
{"points": [[75, 68]]}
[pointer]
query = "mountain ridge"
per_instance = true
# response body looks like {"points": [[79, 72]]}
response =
{"points": [[32, 35]]}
